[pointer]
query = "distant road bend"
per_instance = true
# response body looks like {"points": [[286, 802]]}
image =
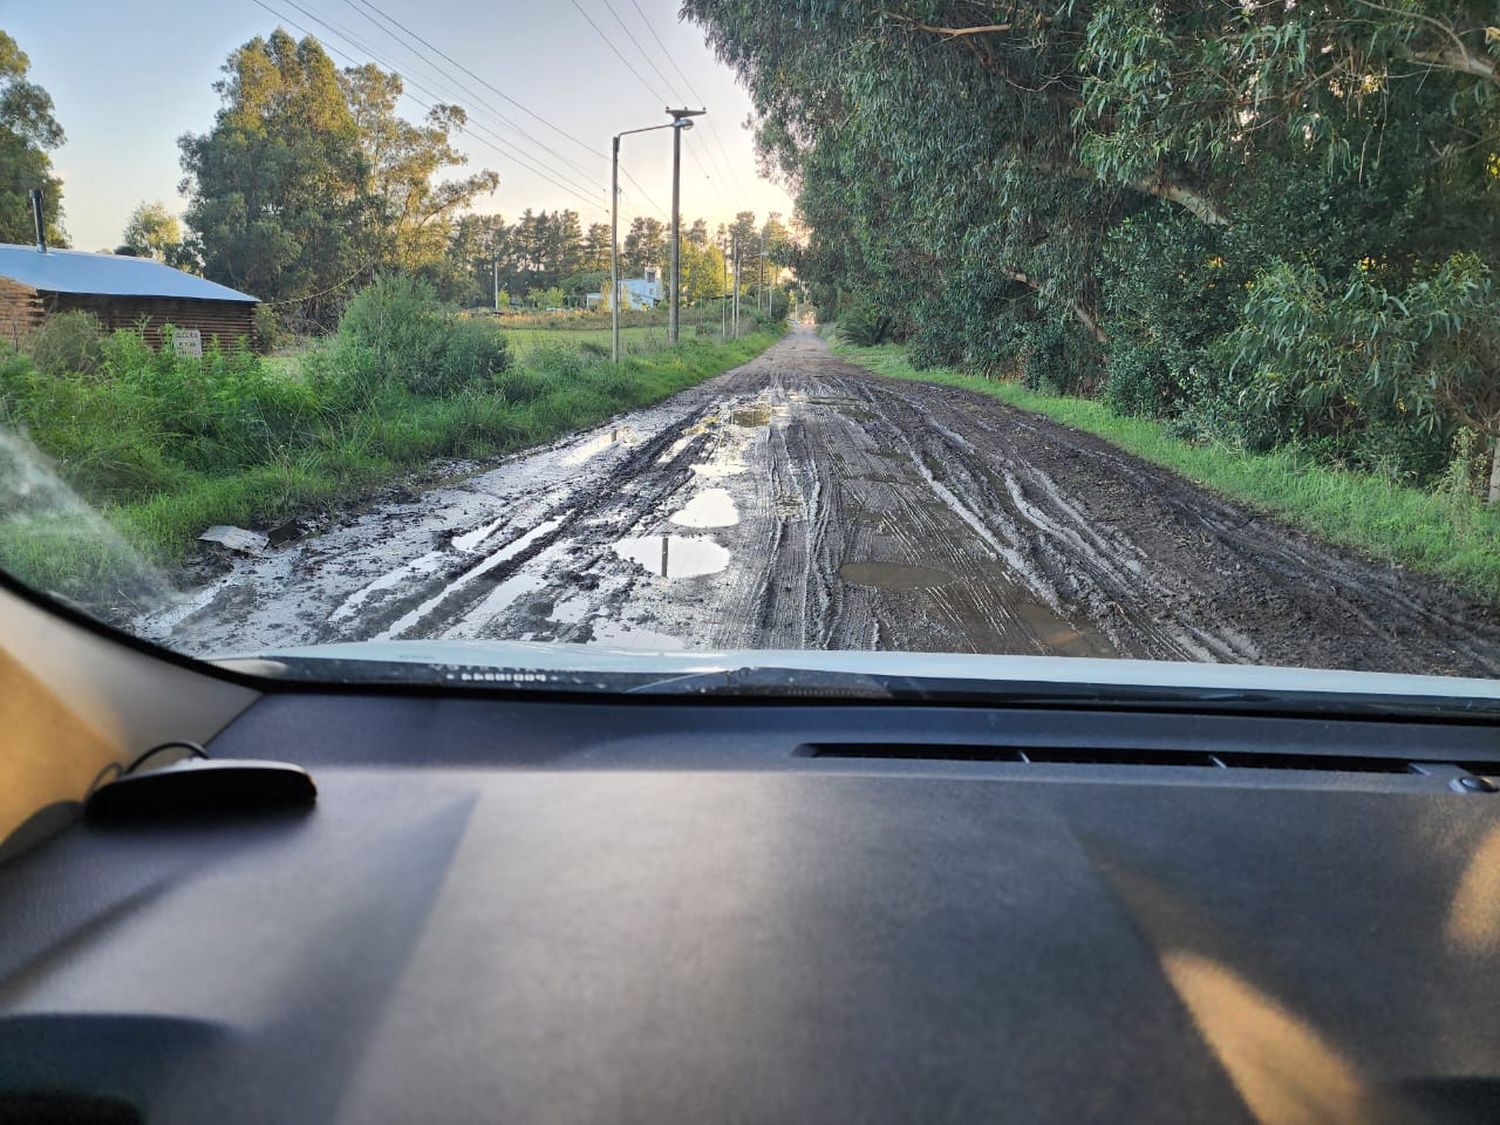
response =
{"points": [[801, 502]]}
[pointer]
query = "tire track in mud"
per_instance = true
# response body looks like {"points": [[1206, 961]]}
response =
{"points": [[844, 510]]}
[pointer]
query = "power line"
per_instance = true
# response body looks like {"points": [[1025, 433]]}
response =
{"points": [[657, 207], [628, 64], [644, 194], [633, 70], [523, 162], [665, 81], [739, 187], [668, 54], [552, 176], [499, 115], [474, 98], [495, 89]]}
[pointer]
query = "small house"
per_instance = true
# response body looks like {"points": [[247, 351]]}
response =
{"points": [[123, 292], [636, 292]]}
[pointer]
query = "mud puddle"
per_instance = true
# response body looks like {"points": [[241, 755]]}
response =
{"points": [[615, 435], [674, 556], [894, 576], [713, 507]]}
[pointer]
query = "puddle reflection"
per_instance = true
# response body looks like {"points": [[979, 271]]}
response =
{"points": [[599, 444], [674, 556], [713, 507]]}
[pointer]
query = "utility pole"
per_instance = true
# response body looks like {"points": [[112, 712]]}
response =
{"points": [[495, 271], [724, 304], [614, 255], [760, 275], [681, 119], [736, 290]]}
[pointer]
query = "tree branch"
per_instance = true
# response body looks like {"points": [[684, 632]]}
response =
{"points": [[950, 33], [1458, 57], [1461, 61], [1085, 316], [956, 32], [1198, 204]]}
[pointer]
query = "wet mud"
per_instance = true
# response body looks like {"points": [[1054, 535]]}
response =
{"points": [[800, 502]]}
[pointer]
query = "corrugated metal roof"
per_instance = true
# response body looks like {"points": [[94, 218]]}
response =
{"points": [[110, 275]]}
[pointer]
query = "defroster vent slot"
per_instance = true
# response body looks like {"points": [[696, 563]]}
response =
{"points": [[1101, 756]]}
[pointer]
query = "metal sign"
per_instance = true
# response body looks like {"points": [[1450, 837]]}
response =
{"points": [[188, 342]]}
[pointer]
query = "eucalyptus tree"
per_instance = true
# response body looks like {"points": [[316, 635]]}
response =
{"points": [[28, 133], [414, 213], [1150, 175], [279, 187]]}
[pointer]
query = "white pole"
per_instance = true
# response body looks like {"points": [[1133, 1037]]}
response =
{"points": [[614, 254]]}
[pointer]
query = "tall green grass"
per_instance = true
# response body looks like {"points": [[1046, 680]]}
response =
{"points": [[163, 447], [636, 340], [1455, 537]]}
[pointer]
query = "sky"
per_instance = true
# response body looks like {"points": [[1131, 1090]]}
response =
{"points": [[128, 77]]}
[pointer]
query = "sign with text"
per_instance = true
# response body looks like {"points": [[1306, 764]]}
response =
{"points": [[188, 342]]}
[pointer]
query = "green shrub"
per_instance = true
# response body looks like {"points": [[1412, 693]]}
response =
{"points": [[472, 353], [522, 384], [1138, 382], [1371, 370], [270, 328], [399, 323], [1056, 357], [932, 346], [866, 324], [67, 342]]}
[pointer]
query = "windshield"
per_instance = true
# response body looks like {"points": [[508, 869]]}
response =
{"points": [[1083, 330]]}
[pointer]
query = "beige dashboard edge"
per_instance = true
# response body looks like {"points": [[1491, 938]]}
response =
{"points": [[73, 704]]}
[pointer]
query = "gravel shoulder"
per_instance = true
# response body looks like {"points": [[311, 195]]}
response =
{"points": [[801, 502]]}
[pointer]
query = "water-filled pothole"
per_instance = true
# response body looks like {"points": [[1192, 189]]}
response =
{"points": [[599, 443], [674, 556], [894, 576], [713, 507]]}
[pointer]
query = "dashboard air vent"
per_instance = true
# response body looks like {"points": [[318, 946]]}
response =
{"points": [[1103, 756]]}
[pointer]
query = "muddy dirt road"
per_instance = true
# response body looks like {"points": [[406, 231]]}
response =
{"points": [[799, 502]]}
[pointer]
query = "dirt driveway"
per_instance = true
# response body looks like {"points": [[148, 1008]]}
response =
{"points": [[800, 502]]}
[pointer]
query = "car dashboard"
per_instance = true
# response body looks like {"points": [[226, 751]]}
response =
{"points": [[610, 910]]}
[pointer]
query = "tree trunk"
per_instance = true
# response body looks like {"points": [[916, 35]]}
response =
{"points": [[1494, 493]]}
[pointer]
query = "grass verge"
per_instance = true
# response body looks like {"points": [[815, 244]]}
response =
{"points": [[1456, 538], [73, 536]]}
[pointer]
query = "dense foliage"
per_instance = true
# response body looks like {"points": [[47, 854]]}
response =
{"points": [[308, 182], [545, 258], [1269, 223]]}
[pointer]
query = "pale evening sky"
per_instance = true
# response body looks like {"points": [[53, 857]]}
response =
{"points": [[130, 76]]}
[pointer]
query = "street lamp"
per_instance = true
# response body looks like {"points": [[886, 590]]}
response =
{"points": [[681, 119]]}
